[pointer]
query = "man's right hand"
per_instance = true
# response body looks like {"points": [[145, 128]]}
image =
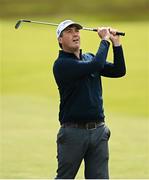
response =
{"points": [[104, 33]]}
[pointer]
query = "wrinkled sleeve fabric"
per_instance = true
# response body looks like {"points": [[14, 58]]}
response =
{"points": [[69, 69], [117, 68]]}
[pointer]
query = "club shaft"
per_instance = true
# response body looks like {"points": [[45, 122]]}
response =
{"points": [[54, 24], [39, 22]]}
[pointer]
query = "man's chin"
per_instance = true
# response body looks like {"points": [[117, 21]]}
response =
{"points": [[76, 47]]}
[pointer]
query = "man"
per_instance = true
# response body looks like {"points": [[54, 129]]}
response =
{"points": [[83, 133]]}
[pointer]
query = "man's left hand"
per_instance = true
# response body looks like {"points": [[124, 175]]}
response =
{"points": [[115, 39]]}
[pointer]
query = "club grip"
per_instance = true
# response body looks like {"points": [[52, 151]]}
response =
{"points": [[120, 33], [117, 33]]}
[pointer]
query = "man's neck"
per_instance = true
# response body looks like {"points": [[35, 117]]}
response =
{"points": [[75, 52]]}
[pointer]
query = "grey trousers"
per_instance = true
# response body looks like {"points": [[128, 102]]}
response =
{"points": [[74, 145]]}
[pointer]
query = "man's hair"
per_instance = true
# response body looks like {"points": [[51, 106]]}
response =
{"points": [[60, 45]]}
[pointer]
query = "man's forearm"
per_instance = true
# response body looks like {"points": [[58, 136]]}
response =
{"points": [[117, 68], [119, 61], [102, 53]]}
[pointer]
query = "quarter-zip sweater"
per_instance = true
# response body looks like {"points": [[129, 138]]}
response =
{"points": [[79, 82]]}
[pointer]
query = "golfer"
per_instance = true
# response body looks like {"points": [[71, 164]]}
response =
{"points": [[83, 134]]}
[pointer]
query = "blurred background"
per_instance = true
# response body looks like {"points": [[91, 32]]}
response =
{"points": [[29, 99], [114, 10]]}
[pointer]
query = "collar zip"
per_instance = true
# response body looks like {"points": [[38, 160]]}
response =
{"points": [[67, 54]]}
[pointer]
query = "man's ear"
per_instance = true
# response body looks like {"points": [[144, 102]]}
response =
{"points": [[60, 39]]}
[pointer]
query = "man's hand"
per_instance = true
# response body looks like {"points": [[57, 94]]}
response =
{"points": [[104, 33], [115, 39], [107, 33]]}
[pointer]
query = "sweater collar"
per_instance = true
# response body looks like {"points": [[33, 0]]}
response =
{"points": [[65, 54]]}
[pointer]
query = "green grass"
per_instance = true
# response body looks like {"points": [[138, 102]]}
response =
{"points": [[29, 102]]}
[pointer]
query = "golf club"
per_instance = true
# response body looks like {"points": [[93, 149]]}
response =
{"points": [[54, 24]]}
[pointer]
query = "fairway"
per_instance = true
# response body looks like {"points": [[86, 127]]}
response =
{"points": [[29, 101]]}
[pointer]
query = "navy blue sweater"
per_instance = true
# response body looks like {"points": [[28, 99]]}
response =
{"points": [[79, 82]]}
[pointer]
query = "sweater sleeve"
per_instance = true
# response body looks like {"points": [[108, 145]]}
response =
{"points": [[117, 68], [69, 69]]}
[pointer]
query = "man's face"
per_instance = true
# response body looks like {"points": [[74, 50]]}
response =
{"points": [[70, 39]]}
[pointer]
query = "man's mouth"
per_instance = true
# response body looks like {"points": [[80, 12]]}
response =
{"points": [[75, 40]]}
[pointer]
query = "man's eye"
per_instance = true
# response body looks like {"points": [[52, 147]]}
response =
{"points": [[69, 30]]}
